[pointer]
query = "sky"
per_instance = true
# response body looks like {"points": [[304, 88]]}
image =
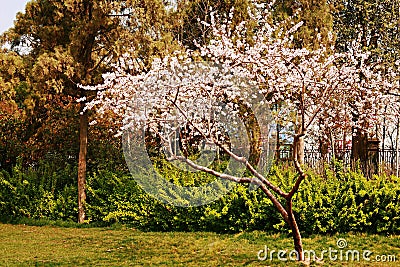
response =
{"points": [[8, 12]]}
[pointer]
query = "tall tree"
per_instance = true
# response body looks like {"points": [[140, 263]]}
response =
{"points": [[188, 96], [375, 25], [315, 33], [70, 43], [13, 107]]}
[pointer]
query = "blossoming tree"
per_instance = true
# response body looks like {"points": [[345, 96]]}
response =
{"points": [[199, 100]]}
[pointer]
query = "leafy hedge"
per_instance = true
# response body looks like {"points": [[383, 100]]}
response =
{"points": [[335, 202], [43, 192]]}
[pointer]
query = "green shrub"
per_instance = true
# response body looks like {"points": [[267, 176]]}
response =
{"points": [[42, 192], [338, 201]]}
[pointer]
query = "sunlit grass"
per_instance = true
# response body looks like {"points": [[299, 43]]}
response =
{"points": [[23, 245]]}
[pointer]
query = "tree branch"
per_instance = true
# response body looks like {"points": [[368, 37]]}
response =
{"points": [[100, 61], [298, 167], [235, 157], [240, 180]]}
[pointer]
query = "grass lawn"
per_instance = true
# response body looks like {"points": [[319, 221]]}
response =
{"points": [[23, 245]]}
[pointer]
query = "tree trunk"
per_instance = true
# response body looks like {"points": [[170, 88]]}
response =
{"points": [[85, 55], [384, 131], [397, 147], [298, 244], [83, 140], [298, 153], [300, 150], [359, 150], [298, 144]]}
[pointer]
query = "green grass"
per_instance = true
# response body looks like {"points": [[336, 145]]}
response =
{"points": [[23, 245]]}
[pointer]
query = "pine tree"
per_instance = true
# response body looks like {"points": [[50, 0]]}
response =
{"points": [[71, 42], [316, 16]]}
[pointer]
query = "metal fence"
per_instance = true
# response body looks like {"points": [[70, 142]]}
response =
{"points": [[379, 161]]}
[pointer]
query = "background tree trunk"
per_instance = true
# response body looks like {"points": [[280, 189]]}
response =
{"points": [[299, 146], [83, 140], [397, 148], [359, 150]]}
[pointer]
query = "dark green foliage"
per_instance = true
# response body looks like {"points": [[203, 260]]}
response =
{"points": [[316, 17], [374, 24], [339, 201], [42, 192], [187, 19]]}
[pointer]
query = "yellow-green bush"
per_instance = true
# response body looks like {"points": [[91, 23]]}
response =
{"points": [[338, 201]]}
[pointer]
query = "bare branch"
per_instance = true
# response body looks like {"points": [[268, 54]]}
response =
{"points": [[100, 61], [252, 170], [240, 180]]}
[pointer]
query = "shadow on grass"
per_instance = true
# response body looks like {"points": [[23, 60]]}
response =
{"points": [[58, 223]]}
